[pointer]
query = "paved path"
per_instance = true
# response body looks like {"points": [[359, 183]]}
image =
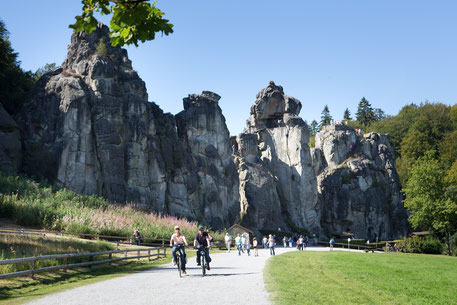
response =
{"points": [[233, 279]]}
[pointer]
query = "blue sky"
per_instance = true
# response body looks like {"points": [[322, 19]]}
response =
{"points": [[322, 52]]}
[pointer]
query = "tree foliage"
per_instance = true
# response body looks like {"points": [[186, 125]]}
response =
{"points": [[14, 82], [132, 21], [365, 113], [326, 118], [43, 70], [347, 115], [314, 127], [430, 198]]}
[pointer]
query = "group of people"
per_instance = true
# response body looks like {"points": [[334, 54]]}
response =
{"points": [[242, 243], [202, 240]]}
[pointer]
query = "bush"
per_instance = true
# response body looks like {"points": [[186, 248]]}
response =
{"points": [[420, 245], [101, 48], [432, 246]]}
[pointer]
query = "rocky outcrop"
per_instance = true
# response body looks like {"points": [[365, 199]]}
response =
{"points": [[283, 158], [90, 125], [10, 142], [359, 190]]}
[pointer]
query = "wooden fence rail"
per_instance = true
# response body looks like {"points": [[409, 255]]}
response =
{"points": [[32, 260]]}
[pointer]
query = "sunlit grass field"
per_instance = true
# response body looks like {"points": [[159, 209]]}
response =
{"points": [[360, 278]]}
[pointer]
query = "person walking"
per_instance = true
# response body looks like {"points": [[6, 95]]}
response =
{"points": [[264, 242], [243, 243], [305, 241], [284, 241], [332, 242], [291, 242], [301, 239], [298, 243], [238, 243], [137, 236], [271, 244], [228, 241], [247, 244], [256, 246]]}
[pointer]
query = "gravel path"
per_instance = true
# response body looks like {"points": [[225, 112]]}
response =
{"points": [[233, 279]]}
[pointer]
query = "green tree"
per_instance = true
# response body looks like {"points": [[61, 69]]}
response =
{"points": [[43, 70], [132, 21], [14, 82], [448, 149], [453, 115], [326, 118], [379, 114], [101, 48], [365, 114], [347, 115], [314, 127], [430, 198]]}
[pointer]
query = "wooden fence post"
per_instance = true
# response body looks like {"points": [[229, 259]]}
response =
{"points": [[138, 254], [125, 254], [32, 267], [65, 262], [110, 256], [163, 243], [149, 255], [91, 258]]}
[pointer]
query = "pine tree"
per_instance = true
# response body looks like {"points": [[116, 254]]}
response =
{"points": [[365, 114], [314, 127], [101, 48], [379, 114], [347, 115], [326, 118]]}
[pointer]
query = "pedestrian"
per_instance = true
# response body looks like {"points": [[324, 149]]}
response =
{"points": [[243, 242], [228, 241], [238, 243], [256, 246], [291, 242], [247, 244], [305, 241], [264, 242], [332, 242], [137, 236], [284, 241], [271, 244], [301, 240], [298, 243]]}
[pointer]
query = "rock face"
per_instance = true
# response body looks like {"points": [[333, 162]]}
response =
{"points": [[359, 189], [282, 160], [10, 142], [91, 125]]}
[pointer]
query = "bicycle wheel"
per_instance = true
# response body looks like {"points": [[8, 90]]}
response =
{"points": [[202, 254], [178, 263]]}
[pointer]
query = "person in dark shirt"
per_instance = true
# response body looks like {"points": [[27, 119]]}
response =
{"points": [[202, 240]]}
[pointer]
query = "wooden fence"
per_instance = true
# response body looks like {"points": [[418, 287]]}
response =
{"points": [[32, 260]]}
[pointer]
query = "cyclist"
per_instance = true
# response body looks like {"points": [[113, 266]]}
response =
{"points": [[202, 240], [177, 241]]}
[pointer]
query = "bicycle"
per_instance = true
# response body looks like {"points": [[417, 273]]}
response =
{"points": [[179, 258], [202, 259]]}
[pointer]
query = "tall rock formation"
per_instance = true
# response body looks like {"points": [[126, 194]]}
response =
{"points": [[91, 128], [358, 185], [284, 159], [10, 142]]}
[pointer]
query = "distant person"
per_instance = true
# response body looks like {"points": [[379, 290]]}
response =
{"points": [[271, 244], [243, 242], [228, 241], [210, 239], [137, 236], [305, 241], [264, 242], [247, 244], [238, 243], [284, 241], [395, 248], [291, 242], [256, 246], [301, 240], [332, 242]]}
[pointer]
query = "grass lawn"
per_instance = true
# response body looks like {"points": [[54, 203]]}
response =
{"points": [[360, 278]]}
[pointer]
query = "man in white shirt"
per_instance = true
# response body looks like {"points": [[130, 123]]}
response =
{"points": [[228, 241]]}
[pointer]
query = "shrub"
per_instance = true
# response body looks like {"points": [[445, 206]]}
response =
{"points": [[420, 245], [432, 246], [101, 48]]}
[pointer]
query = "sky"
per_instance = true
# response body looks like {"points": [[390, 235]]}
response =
{"points": [[322, 52]]}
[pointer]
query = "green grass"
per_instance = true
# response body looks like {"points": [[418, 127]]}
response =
{"points": [[17, 246], [361, 278]]}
